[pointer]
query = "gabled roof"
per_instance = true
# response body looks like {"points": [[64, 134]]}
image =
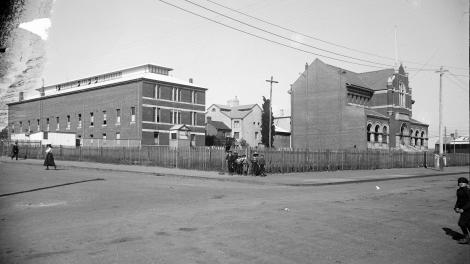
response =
{"points": [[348, 76], [219, 125], [377, 80], [239, 111]]}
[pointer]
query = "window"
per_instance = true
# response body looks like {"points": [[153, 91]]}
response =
{"points": [[192, 118], [79, 121], [104, 136], [118, 135], [213, 109], [193, 140], [58, 123], [376, 134], [369, 127], [47, 124], [256, 135], [173, 135], [157, 91], [175, 117], [385, 135], [91, 135], [68, 122], [21, 127], [92, 119], [193, 97], [155, 138], [402, 94], [104, 118], [157, 115], [29, 126], [118, 116], [39, 124], [236, 124], [132, 114]]}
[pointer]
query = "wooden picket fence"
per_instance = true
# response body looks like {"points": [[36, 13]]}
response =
{"points": [[213, 158]]}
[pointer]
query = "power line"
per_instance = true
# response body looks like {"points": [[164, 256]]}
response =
{"points": [[318, 39], [266, 39], [283, 37]]}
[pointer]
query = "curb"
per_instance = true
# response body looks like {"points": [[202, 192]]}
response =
{"points": [[356, 181]]}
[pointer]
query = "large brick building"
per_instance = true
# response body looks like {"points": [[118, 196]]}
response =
{"points": [[132, 106], [333, 108]]}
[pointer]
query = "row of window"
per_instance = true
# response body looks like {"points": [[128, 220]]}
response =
{"points": [[175, 116], [171, 93], [102, 78], [79, 121]]}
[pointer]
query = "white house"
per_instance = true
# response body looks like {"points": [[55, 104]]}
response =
{"points": [[244, 120]]}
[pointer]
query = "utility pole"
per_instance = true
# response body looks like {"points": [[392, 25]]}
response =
{"points": [[441, 139], [271, 81]]}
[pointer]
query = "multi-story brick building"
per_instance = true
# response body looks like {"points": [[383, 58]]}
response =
{"points": [[333, 108], [243, 120], [138, 105]]}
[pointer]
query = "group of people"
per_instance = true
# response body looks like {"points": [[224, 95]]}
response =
{"points": [[48, 161], [242, 165]]}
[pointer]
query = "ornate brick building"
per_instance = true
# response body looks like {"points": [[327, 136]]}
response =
{"points": [[333, 108], [132, 106]]}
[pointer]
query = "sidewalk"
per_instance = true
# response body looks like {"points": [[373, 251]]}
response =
{"points": [[290, 179]]}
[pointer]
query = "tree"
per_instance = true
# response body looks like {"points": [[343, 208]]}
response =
{"points": [[4, 134], [265, 124]]}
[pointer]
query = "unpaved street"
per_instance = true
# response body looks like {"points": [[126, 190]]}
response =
{"points": [[138, 218]]}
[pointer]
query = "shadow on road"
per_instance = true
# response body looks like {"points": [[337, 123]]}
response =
{"points": [[49, 187], [454, 234]]}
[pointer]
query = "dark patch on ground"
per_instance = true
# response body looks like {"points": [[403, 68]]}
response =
{"points": [[124, 239], [47, 254], [158, 174], [187, 229], [218, 196], [162, 233]]}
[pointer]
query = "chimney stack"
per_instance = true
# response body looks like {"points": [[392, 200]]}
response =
{"points": [[190, 80], [21, 96]]}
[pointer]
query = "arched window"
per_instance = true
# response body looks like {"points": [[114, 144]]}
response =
{"points": [[385, 134], [376, 134], [402, 94], [403, 131], [369, 127], [422, 138], [411, 137], [416, 138]]}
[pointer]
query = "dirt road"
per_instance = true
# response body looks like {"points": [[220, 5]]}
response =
{"points": [[110, 217]]}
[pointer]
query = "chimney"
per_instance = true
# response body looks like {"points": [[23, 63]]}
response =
{"points": [[21, 96], [233, 102], [190, 80]]}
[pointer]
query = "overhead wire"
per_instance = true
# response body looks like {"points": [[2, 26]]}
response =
{"points": [[321, 40], [266, 39], [283, 37]]}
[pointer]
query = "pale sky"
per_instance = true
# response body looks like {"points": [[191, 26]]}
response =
{"points": [[90, 37]]}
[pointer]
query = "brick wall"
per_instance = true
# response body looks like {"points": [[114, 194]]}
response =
{"points": [[119, 96]]}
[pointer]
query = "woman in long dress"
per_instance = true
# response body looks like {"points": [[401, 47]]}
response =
{"points": [[49, 161]]}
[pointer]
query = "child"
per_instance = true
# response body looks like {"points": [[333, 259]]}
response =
{"points": [[462, 206]]}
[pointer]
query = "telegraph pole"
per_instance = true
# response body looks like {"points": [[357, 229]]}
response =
{"points": [[441, 72], [271, 81]]}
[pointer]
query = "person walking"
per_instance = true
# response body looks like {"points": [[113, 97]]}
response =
{"points": [[462, 206], [15, 150], [49, 161]]}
